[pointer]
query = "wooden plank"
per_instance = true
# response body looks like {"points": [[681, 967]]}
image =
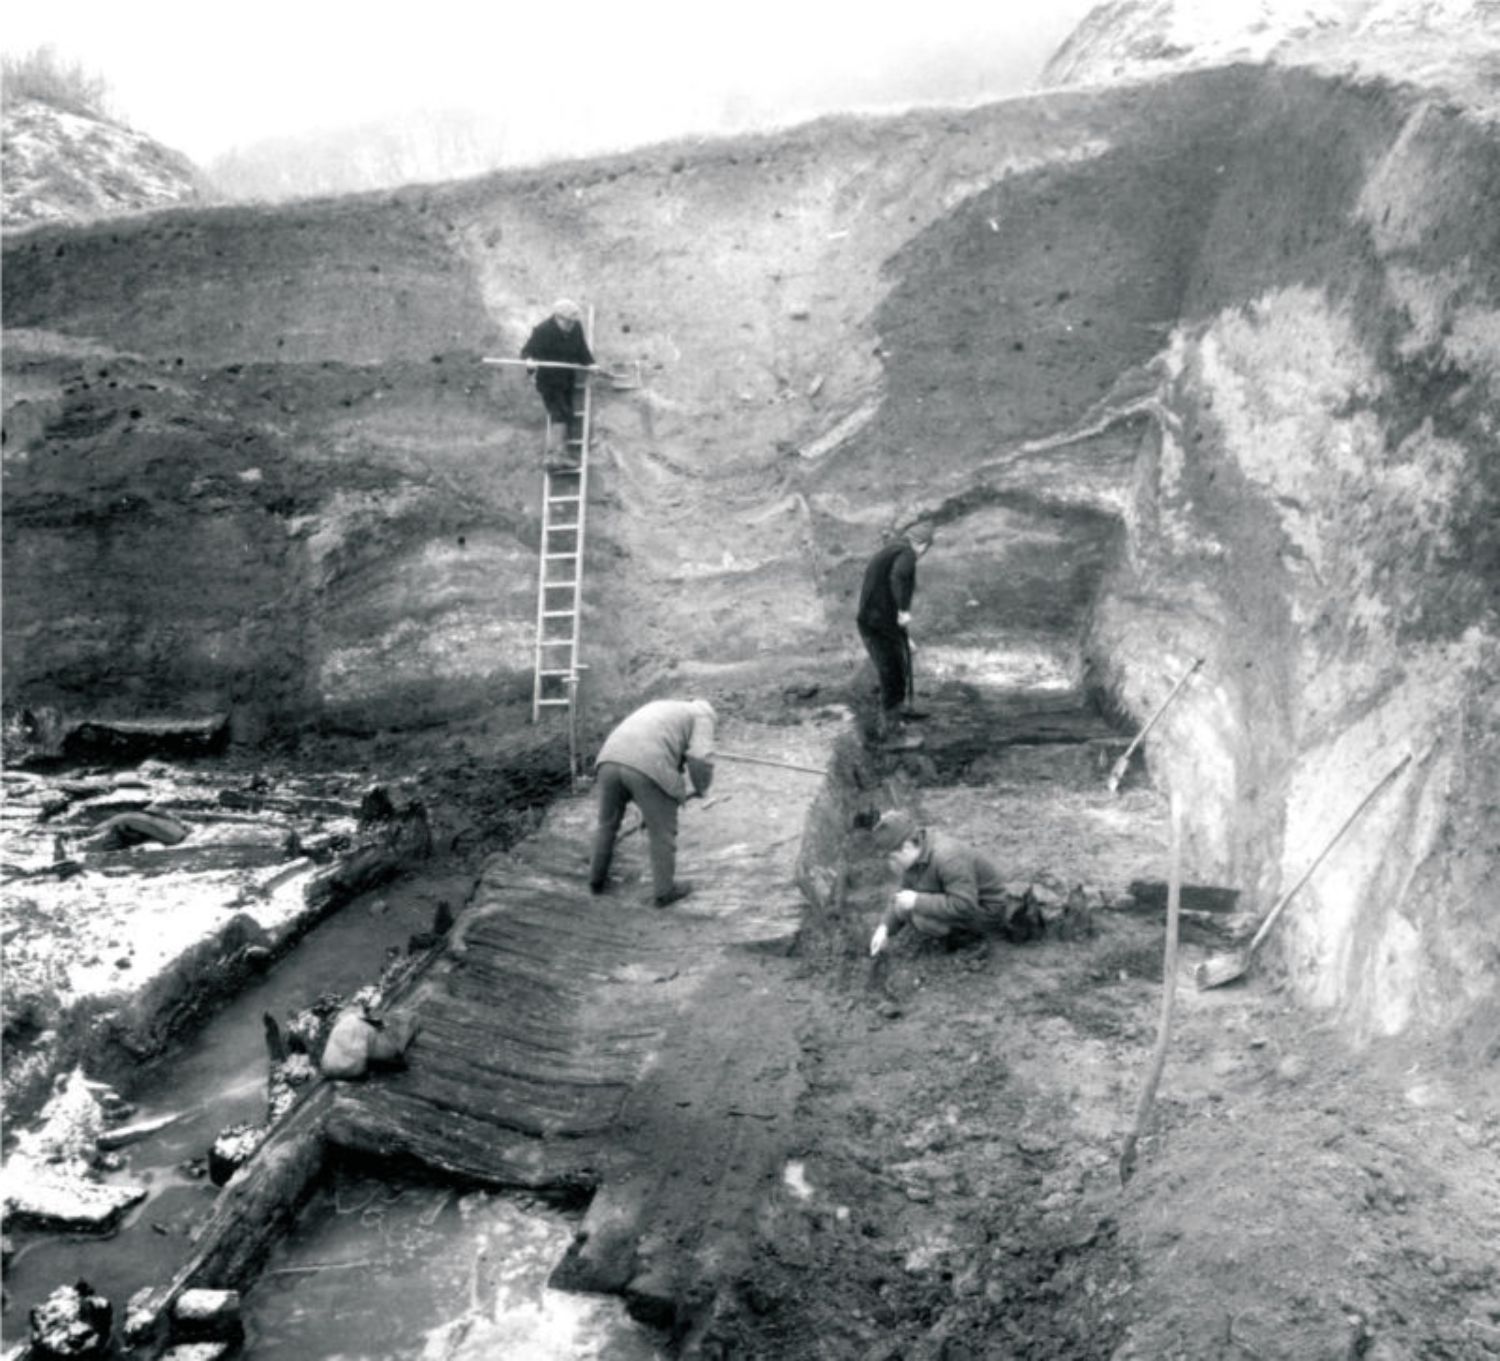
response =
{"points": [[392, 1126], [250, 1214]]}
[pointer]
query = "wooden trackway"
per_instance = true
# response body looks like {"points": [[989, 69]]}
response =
{"points": [[603, 1042]]}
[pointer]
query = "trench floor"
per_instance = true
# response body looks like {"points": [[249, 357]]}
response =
{"points": [[797, 1154], [792, 1153], [961, 1117]]}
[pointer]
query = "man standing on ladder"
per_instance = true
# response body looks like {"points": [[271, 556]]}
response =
{"points": [[559, 340]]}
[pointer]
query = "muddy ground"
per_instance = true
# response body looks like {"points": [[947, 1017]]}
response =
{"points": [[961, 1124], [950, 1181]]}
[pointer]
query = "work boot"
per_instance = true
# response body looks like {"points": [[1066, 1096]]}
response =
{"points": [[598, 886], [676, 893]]}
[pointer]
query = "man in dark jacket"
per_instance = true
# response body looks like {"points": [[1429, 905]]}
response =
{"points": [[558, 340], [642, 761], [884, 612], [948, 890]]}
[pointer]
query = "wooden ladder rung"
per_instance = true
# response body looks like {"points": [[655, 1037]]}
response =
{"points": [[557, 546]]}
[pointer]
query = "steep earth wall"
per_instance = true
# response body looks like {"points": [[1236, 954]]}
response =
{"points": [[1203, 367], [1316, 511]]}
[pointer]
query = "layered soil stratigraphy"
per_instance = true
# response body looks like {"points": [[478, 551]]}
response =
{"points": [[1195, 368], [1200, 370]]}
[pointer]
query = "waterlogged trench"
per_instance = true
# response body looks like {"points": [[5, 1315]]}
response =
{"points": [[216, 1080], [379, 1266]]}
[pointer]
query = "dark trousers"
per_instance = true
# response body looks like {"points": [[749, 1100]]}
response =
{"points": [[888, 651], [557, 396], [618, 786]]}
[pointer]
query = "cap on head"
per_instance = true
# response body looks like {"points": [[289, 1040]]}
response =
{"points": [[702, 706], [894, 830], [921, 532], [567, 308]]}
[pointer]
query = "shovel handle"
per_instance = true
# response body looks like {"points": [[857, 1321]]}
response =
{"points": [[1161, 709], [1333, 841]]}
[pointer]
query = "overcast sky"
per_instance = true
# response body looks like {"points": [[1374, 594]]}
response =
{"points": [[553, 78]]}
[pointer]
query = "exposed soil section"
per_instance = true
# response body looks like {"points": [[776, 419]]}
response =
{"points": [[1200, 368], [1196, 370]]}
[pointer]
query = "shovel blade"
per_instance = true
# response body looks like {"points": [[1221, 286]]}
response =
{"points": [[1222, 969]]}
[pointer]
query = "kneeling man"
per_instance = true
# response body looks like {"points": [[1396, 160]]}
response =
{"points": [[642, 761], [948, 890]]}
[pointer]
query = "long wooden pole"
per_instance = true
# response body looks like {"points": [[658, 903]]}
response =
{"points": [[544, 364], [1168, 997], [767, 761]]}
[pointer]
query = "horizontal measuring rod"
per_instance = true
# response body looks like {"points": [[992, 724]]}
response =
{"points": [[546, 364]]}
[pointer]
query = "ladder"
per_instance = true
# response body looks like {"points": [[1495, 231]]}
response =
{"points": [[559, 595]]}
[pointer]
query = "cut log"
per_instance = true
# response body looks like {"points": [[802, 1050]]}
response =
{"points": [[252, 1212], [1151, 896], [202, 1315], [133, 739]]}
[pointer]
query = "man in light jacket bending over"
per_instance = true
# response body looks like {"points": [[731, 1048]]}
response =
{"points": [[643, 761]]}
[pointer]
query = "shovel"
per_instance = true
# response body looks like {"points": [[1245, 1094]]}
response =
{"points": [[1221, 969], [911, 711], [1117, 772]]}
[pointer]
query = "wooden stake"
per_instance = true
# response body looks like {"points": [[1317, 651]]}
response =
{"points": [[1168, 997]]}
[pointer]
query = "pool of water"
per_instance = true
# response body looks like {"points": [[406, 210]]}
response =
{"points": [[378, 1270], [217, 1079], [375, 1268]]}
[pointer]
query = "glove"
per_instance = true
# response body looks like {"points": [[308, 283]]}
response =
{"points": [[878, 940]]}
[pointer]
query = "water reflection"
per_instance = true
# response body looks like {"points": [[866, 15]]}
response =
{"points": [[377, 1270], [217, 1079]]}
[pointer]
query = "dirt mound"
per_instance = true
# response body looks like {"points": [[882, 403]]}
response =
{"points": [[66, 166]]}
